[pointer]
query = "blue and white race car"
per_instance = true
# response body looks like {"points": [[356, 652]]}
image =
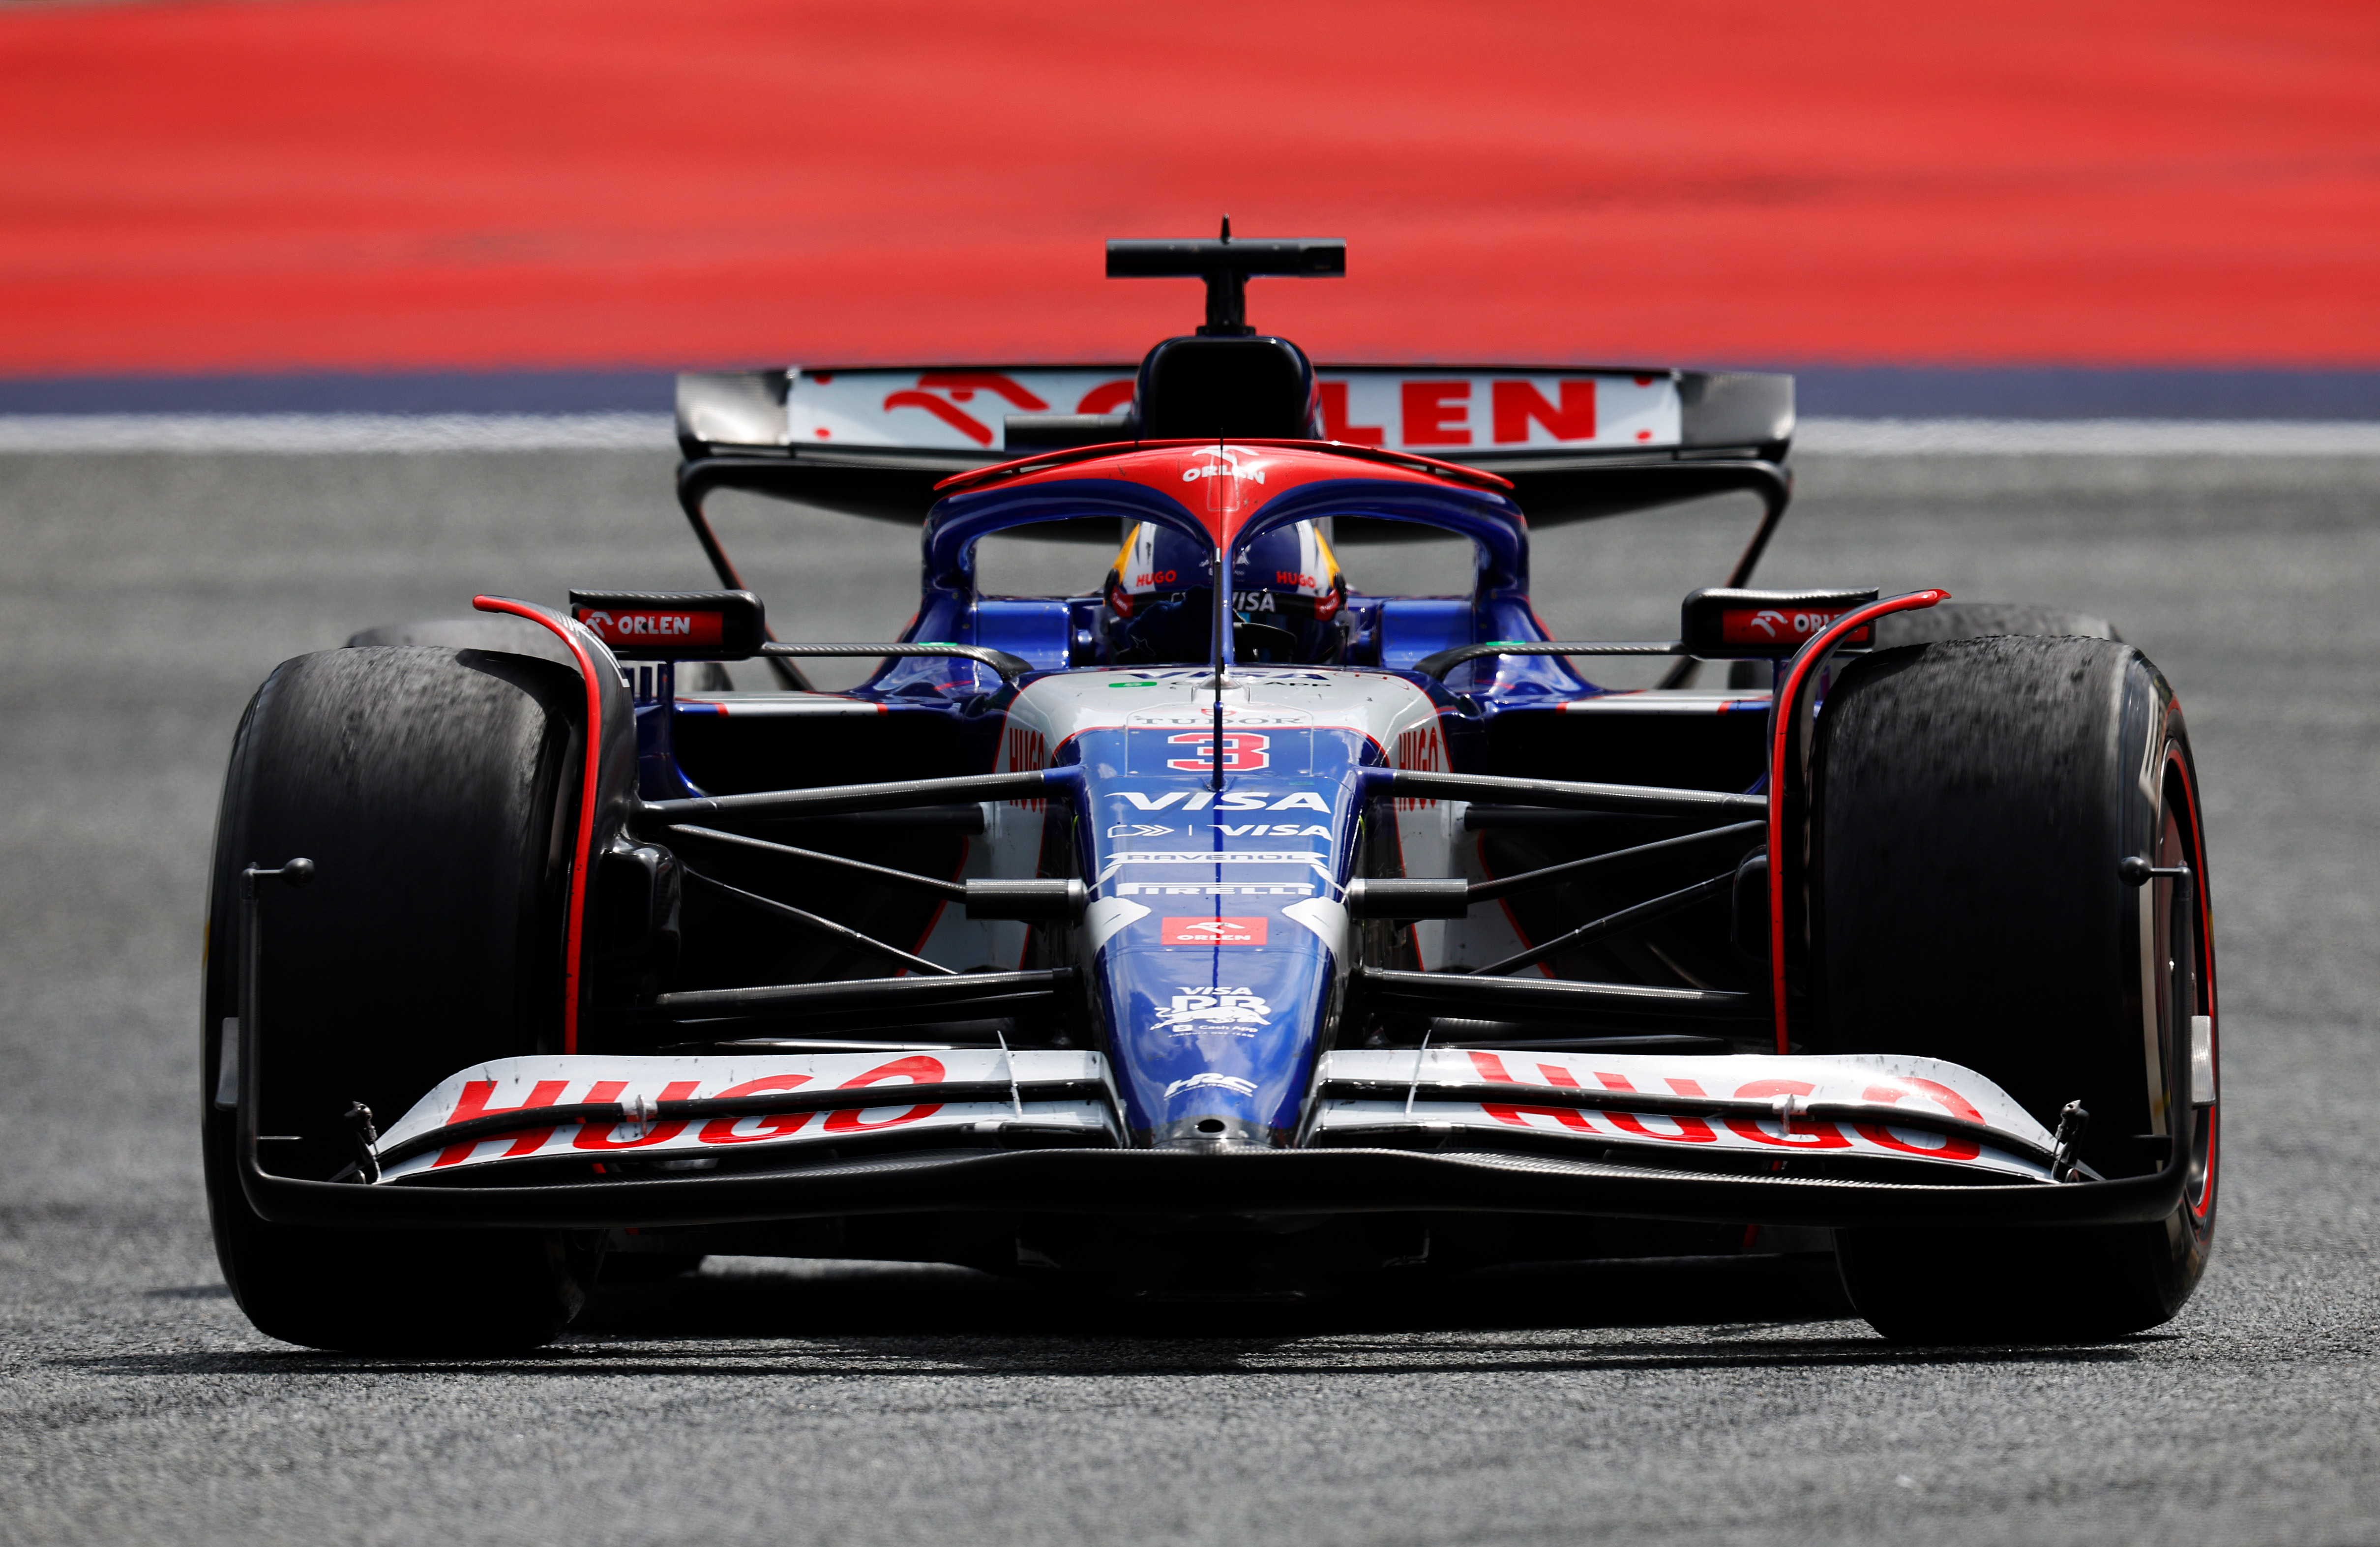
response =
{"points": [[1220, 930]]}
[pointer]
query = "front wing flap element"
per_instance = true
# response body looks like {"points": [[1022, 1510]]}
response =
{"points": [[1868, 1107], [599, 1108]]}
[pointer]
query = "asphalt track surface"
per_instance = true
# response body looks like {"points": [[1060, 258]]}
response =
{"points": [[145, 595]]}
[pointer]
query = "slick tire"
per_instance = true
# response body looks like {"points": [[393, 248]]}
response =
{"points": [[435, 791], [1952, 620], [497, 631], [520, 636], [1968, 620], [1970, 801]]}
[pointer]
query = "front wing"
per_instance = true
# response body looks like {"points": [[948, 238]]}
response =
{"points": [[650, 1142]]}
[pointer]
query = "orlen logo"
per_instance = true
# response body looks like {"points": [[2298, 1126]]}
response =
{"points": [[963, 385], [1768, 626], [1226, 479], [1222, 464], [1212, 931], [1460, 410], [661, 628]]}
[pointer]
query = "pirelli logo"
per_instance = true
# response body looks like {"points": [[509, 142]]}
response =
{"points": [[1211, 889]]}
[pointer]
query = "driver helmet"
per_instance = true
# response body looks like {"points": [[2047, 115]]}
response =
{"points": [[1289, 602]]}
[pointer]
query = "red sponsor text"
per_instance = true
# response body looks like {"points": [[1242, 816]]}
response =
{"points": [[1212, 931], [653, 627]]}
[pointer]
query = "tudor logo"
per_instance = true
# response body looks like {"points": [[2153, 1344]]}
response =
{"points": [[1212, 931]]}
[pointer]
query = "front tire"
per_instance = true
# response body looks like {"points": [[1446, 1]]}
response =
{"points": [[1971, 799], [435, 791], [1968, 620]]}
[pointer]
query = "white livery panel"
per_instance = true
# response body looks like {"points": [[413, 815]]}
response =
{"points": [[1876, 1079], [1458, 412], [875, 1079]]}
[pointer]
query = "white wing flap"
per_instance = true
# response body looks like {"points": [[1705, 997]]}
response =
{"points": [[875, 1079], [1927, 1084], [1458, 412]]}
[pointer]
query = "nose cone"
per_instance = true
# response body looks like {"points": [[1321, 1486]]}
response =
{"points": [[1221, 934], [1215, 1041], [1217, 856]]}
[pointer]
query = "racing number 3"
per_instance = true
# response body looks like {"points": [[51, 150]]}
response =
{"points": [[1243, 751]]}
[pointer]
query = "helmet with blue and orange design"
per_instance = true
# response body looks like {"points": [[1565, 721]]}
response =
{"points": [[1289, 602]]}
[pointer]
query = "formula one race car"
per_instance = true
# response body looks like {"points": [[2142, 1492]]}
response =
{"points": [[1221, 930]]}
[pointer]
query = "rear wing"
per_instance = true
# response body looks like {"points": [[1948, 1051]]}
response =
{"points": [[1576, 442]]}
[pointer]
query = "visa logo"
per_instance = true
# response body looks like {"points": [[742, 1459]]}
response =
{"points": [[1232, 800]]}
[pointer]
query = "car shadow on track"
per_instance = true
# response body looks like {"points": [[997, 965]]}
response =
{"points": [[903, 1321], [900, 1299]]}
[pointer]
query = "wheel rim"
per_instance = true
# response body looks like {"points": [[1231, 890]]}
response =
{"points": [[2186, 980]]}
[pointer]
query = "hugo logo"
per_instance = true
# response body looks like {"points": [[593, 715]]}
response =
{"points": [[1022, 750]]}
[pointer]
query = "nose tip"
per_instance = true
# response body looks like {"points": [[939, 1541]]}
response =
{"points": [[1211, 1133]]}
